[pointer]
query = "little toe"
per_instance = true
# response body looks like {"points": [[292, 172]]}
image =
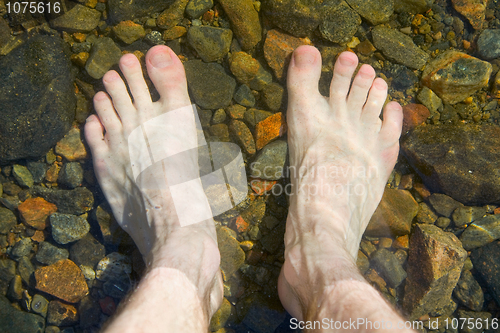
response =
{"points": [[107, 114], [359, 89], [304, 72], [167, 74], [118, 92], [392, 124], [374, 102], [131, 69], [94, 135], [342, 74]]}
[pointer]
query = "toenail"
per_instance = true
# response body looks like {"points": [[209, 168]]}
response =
{"points": [[161, 59], [365, 73], [303, 59], [346, 61], [380, 84]]}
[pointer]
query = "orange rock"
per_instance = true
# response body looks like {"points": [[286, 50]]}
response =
{"points": [[38, 236], [64, 280], [79, 37], [268, 130], [260, 186], [53, 173], [71, 146], [473, 10], [61, 314], [277, 50], [35, 212], [402, 242], [406, 182], [497, 210], [174, 32], [414, 115], [241, 224], [373, 277], [422, 190]]}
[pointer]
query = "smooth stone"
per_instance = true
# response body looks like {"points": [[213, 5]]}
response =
{"points": [[481, 232], [487, 264], [49, 254], [475, 317], [244, 21], [464, 215], [25, 268], [117, 287], [172, 16], [196, 8], [488, 44], [128, 31], [77, 19], [374, 11], [443, 204], [40, 305], [17, 321], [41, 111], [61, 314], [261, 314], [388, 266], [243, 96], [432, 101], [399, 47], [210, 86], [243, 136], [460, 161], [37, 170], [425, 214], [122, 10], [77, 201], [454, 76], [340, 25], [273, 96], [7, 269], [469, 292], [210, 43], [269, 164], [232, 256], [71, 175], [7, 220], [22, 248], [67, 228], [435, 262], [87, 251], [113, 266], [473, 10], [412, 6], [22, 175], [261, 79], [104, 54]]}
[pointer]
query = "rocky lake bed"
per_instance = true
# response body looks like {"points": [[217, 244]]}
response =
{"points": [[432, 247]]}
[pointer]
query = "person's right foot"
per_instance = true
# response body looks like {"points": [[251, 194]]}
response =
{"points": [[341, 155]]}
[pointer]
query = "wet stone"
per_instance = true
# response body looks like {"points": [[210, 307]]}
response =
{"points": [[464, 215], [89, 311], [67, 228], [7, 220], [22, 175], [442, 222], [43, 107], [154, 38], [7, 269], [481, 232], [243, 96], [221, 131], [362, 262], [128, 31], [243, 136], [488, 44], [487, 263], [399, 47], [37, 170], [414, 115], [254, 116], [49, 254], [117, 287], [219, 116], [261, 314], [340, 25], [22, 248], [262, 79], [87, 251], [432, 101], [374, 11], [173, 15], [394, 214], [104, 54], [35, 212], [196, 8], [71, 175], [77, 201], [272, 96], [454, 76], [232, 256], [244, 22], [61, 314], [210, 43], [40, 305], [174, 33], [468, 292], [25, 269], [77, 19], [121, 11], [425, 214], [210, 86], [473, 10], [220, 318], [443, 204], [474, 317], [244, 67], [63, 280], [236, 111], [15, 291], [412, 6], [268, 129], [269, 164], [17, 321], [113, 266]]}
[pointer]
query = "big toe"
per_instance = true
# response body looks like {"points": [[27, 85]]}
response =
{"points": [[168, 75], [303, 74]]}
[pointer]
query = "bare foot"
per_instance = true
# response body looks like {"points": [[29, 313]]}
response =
{"points": [[146, 212], [342, 155]]}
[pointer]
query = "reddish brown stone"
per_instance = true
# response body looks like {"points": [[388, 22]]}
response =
{"points": [[61, 314], [261, 187], [268, 130], [422, 190], [277, 50], [71, 146], [63, 280], [38, 236], [53, 173], [35, 212], [402, 242], [473, 10], [241, 224], [107, 305], [414, 115]]}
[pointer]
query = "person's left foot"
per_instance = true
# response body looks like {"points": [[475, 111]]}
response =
{"points": [[147, 213]]}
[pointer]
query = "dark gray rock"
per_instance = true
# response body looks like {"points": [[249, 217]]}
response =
{"points": [[481, 232], [261, 314], [17, 321], [262, 79], [388, 266], [37, 98], [117, 287], [38, 171], [90, 312], [475, 317], [340, 25], [488, 44], [103, 55], [269, 164], [81, 47], [77, 201], [67, 228], [244, 96], [273, 240], [210, 86], [121, 10], [49, 254], [210, 43], [469, 292], [25, 268], [374, 11], [22, 248], [77, 19], [7, 269], [273, 96], [486, 262], [7, 220], [196, 8], [443, 204], [399, 47], [87, 251], [461, 161], [71, 175]]}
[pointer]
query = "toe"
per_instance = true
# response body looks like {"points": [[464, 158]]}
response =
{"points": [[167, 74], [131, 69], [392, 124], [118, 91], [375, 101], [359, 89], [107, 114], [94, 135], [342, 73], [303, 74]]}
